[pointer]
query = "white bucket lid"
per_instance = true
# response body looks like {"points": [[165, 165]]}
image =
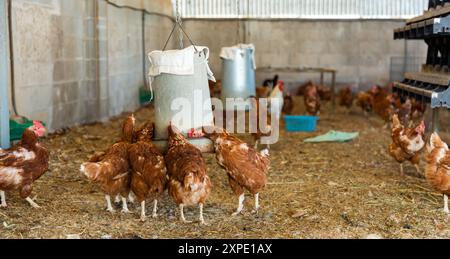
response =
{"points": [[177, 62], [231, 53]]}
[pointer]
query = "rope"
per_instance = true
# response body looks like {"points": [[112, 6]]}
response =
{"points": [[179, 23], [170, 36], [189, 38]]}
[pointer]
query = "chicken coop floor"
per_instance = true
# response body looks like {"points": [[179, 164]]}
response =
{"points": [[348, 190]]}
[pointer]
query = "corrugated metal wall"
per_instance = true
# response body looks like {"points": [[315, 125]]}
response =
{"points": [[302, 9]]}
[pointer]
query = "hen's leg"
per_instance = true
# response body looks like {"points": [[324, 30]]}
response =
{"points": [[32, 203], [143, 217], [155, 209], [125, 206], [238, 190], [417, 168], [108, 204], [256, 204], [3, 198], [202, 219], [446, 204], [241, 205], [183, 219], [402, 173], [256, 144]]}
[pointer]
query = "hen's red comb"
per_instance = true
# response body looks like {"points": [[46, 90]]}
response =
{"points": [[193, 133], [39, 128], [281, 85]]}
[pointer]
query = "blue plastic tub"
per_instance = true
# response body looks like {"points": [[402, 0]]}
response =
{"points": [[301, 123]]}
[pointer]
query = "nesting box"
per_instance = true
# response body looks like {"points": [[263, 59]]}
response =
{"points": [[183, 93], [238, 79]]}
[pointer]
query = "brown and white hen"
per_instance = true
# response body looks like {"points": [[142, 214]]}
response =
{"points": [[22, 165], [407, 143], [437, 170]]}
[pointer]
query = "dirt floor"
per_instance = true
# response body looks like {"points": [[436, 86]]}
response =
{"points": [[350, 190]]}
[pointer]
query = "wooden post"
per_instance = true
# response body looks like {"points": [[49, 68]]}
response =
{"points": [[4, 96], [333, 90]]}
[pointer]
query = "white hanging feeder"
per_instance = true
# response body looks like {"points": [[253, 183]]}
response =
{"points": [[238, 74], [179, 79]]}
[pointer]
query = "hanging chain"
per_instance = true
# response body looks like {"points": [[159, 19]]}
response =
{"points": [[180, 22], [238, 36], [181, 31]]}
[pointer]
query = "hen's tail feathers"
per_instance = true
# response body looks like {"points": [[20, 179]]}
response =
{"points": [[175, 136], [436, 142], [173, 130], [189, 182], [118, 177], [128, 129], [90, 170]]}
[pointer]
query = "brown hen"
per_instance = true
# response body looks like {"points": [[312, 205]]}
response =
{"points": [[325, 93], [189, 184], [246, 168], [149, 173], [111, 171], [365, 101], [346, 97], [312, 100], [289, 105]]}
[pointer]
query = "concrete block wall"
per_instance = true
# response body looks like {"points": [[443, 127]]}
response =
{"points": [[360, 50], [68, 71], [125, 59], [50, 59]]}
